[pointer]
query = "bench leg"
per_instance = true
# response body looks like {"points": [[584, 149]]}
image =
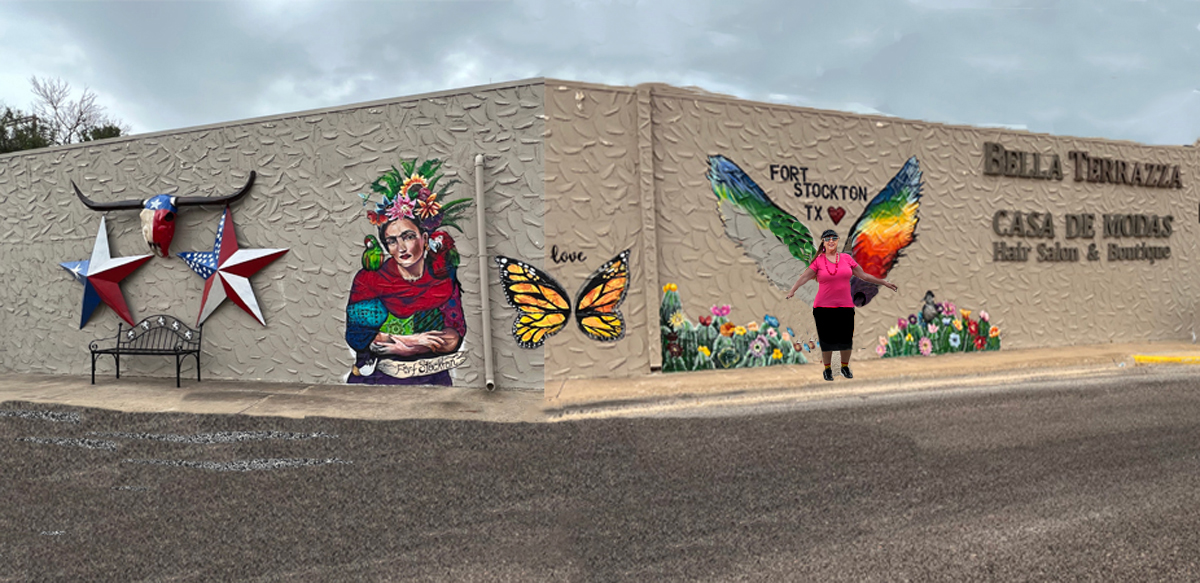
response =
{"points": [[177, 371], [93, 368], [197, 366], [117, 357]]}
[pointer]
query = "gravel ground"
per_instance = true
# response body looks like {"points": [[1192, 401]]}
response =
{"points": [[1088, 482]]}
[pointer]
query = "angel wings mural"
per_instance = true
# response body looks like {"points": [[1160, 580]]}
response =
{"points": [[783, 247]]}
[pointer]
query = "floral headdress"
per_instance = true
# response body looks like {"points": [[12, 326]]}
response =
{"points": [[413, 193]]}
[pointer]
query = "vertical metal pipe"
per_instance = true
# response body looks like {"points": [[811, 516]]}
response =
{"points": [[488, 376]]}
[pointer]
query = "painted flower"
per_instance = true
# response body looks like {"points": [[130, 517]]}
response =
{"points": [[958, 325], [946, 320], [670, 287], [758, 347], [415, 180], [706, 320], [428, 208], [980, 342], [677, 319], [672, 336], [771, 321], [882, 341], [705, 351], [752, 326], [994, 332], [902, 323], [799, 346], [966, 314], [951, 308], [955, 340], [926, 346], [881, 350], [908, 338], [777, 355], [912, 319], [425, 194], [740, 330], [812, 345], [772, 333], [973, 328], [721, 311], [933, 328], [893, 331], [786, 336], [727, 329], [675, 350], [402, 208], [983, 316]]}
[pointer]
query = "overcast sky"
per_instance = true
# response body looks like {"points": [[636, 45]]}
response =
{"points": [[1116, 69]]}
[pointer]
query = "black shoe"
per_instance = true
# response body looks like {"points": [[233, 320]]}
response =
{"points": [[829, 374], [846, 372]]}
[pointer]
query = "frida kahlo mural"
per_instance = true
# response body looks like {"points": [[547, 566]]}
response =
{"points": [[404, 319]]}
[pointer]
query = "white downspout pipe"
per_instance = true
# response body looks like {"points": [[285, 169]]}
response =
{"points": [[488, 374]]}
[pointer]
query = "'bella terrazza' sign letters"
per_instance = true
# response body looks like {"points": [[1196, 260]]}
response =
{"points": [[998, 161]]}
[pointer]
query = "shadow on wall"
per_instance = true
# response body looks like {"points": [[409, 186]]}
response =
{"points": [[716, 343], [938, 328]]}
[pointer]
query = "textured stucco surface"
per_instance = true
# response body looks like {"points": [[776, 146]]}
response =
{"points": [[593, 205], [311, 168], [1035, 304]]}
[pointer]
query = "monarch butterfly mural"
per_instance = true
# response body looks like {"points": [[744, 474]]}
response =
{"points": [[543, 309]]}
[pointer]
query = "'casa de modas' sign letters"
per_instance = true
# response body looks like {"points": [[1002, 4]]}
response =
{"points": [[1018, 225], [999, 161]]}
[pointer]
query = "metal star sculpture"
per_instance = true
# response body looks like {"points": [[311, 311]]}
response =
{"points": [[101, 278], [227, 270]]}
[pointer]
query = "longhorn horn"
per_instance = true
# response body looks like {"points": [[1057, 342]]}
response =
{"points": [[106, 206], [197, 200]]}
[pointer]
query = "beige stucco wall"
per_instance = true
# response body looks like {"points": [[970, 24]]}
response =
{"points": [[593, 131], [311, 167]]}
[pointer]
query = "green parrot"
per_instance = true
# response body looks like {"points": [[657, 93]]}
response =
{"points": [[372, 258]]}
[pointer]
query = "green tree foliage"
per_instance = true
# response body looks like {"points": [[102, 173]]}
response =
{"points": [[19, 131]]}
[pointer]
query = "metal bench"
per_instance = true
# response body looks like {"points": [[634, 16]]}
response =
{"points": [[160, 335]]}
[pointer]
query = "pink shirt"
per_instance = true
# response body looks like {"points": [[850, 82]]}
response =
{"points": [[833, 281]]}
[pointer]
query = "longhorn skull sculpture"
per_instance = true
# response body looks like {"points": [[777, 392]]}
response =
{"points": [[158, 212]]}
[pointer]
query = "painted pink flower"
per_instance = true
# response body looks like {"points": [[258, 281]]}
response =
{"points": [[880, 350], [926, 346], [401, 209], [721, 311], [933, 328], [983, 316], [902, 323]]}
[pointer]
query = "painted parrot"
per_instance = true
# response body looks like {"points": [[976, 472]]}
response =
{"points": [[372, 258], [776, 239]]}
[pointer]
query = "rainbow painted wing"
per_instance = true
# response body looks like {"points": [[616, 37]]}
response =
{"points": [[886, 227], [596, 306], [541, 303]]}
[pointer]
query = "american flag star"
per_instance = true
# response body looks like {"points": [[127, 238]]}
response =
{"points": [[227, 269], [101, 277]]}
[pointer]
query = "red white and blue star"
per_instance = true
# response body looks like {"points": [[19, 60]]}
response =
{"points": [[101, 278], [227, 270]]}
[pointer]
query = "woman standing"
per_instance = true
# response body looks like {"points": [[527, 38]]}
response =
{"points": [[833, 309]]}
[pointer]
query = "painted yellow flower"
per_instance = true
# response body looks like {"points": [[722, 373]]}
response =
{"points": [[705, 351], [966, 314], [740, 330], [958, 325], [777, 355], [677, 319], [893, 331], [415, 179], [670, 287], [908, 338], [752, 326], [994, 332]]}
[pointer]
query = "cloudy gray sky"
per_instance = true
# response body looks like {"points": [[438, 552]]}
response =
{"points": [[1116, 69]]}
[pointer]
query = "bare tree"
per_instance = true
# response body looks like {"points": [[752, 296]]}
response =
{"points": [[68, 121]]}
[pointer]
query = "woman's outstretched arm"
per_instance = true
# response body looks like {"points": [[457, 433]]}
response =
{"points": [[805, 277], [859, 273]]}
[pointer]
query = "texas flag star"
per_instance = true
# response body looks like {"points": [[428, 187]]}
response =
{"points": [[101, 277], [227, 270]]}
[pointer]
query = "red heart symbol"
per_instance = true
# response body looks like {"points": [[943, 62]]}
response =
{"points": [[836, 213]]}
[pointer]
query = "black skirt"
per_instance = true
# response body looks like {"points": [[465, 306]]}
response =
{"points": [[835, 328]]}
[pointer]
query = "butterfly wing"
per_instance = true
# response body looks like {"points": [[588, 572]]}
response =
{"points": [[887, 226], [596, 306], [769, 235], [541, 303]]}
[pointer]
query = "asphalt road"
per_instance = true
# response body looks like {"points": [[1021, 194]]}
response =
{"points": [[1092, 481]]}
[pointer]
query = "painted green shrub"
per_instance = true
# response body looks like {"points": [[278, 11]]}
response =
{"points": [[714, 342]]}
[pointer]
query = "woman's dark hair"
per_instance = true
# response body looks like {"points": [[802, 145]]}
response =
{"points": [[383, 228]]}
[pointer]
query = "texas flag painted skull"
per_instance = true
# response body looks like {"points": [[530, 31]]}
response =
{"points": [[159, 212]]}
